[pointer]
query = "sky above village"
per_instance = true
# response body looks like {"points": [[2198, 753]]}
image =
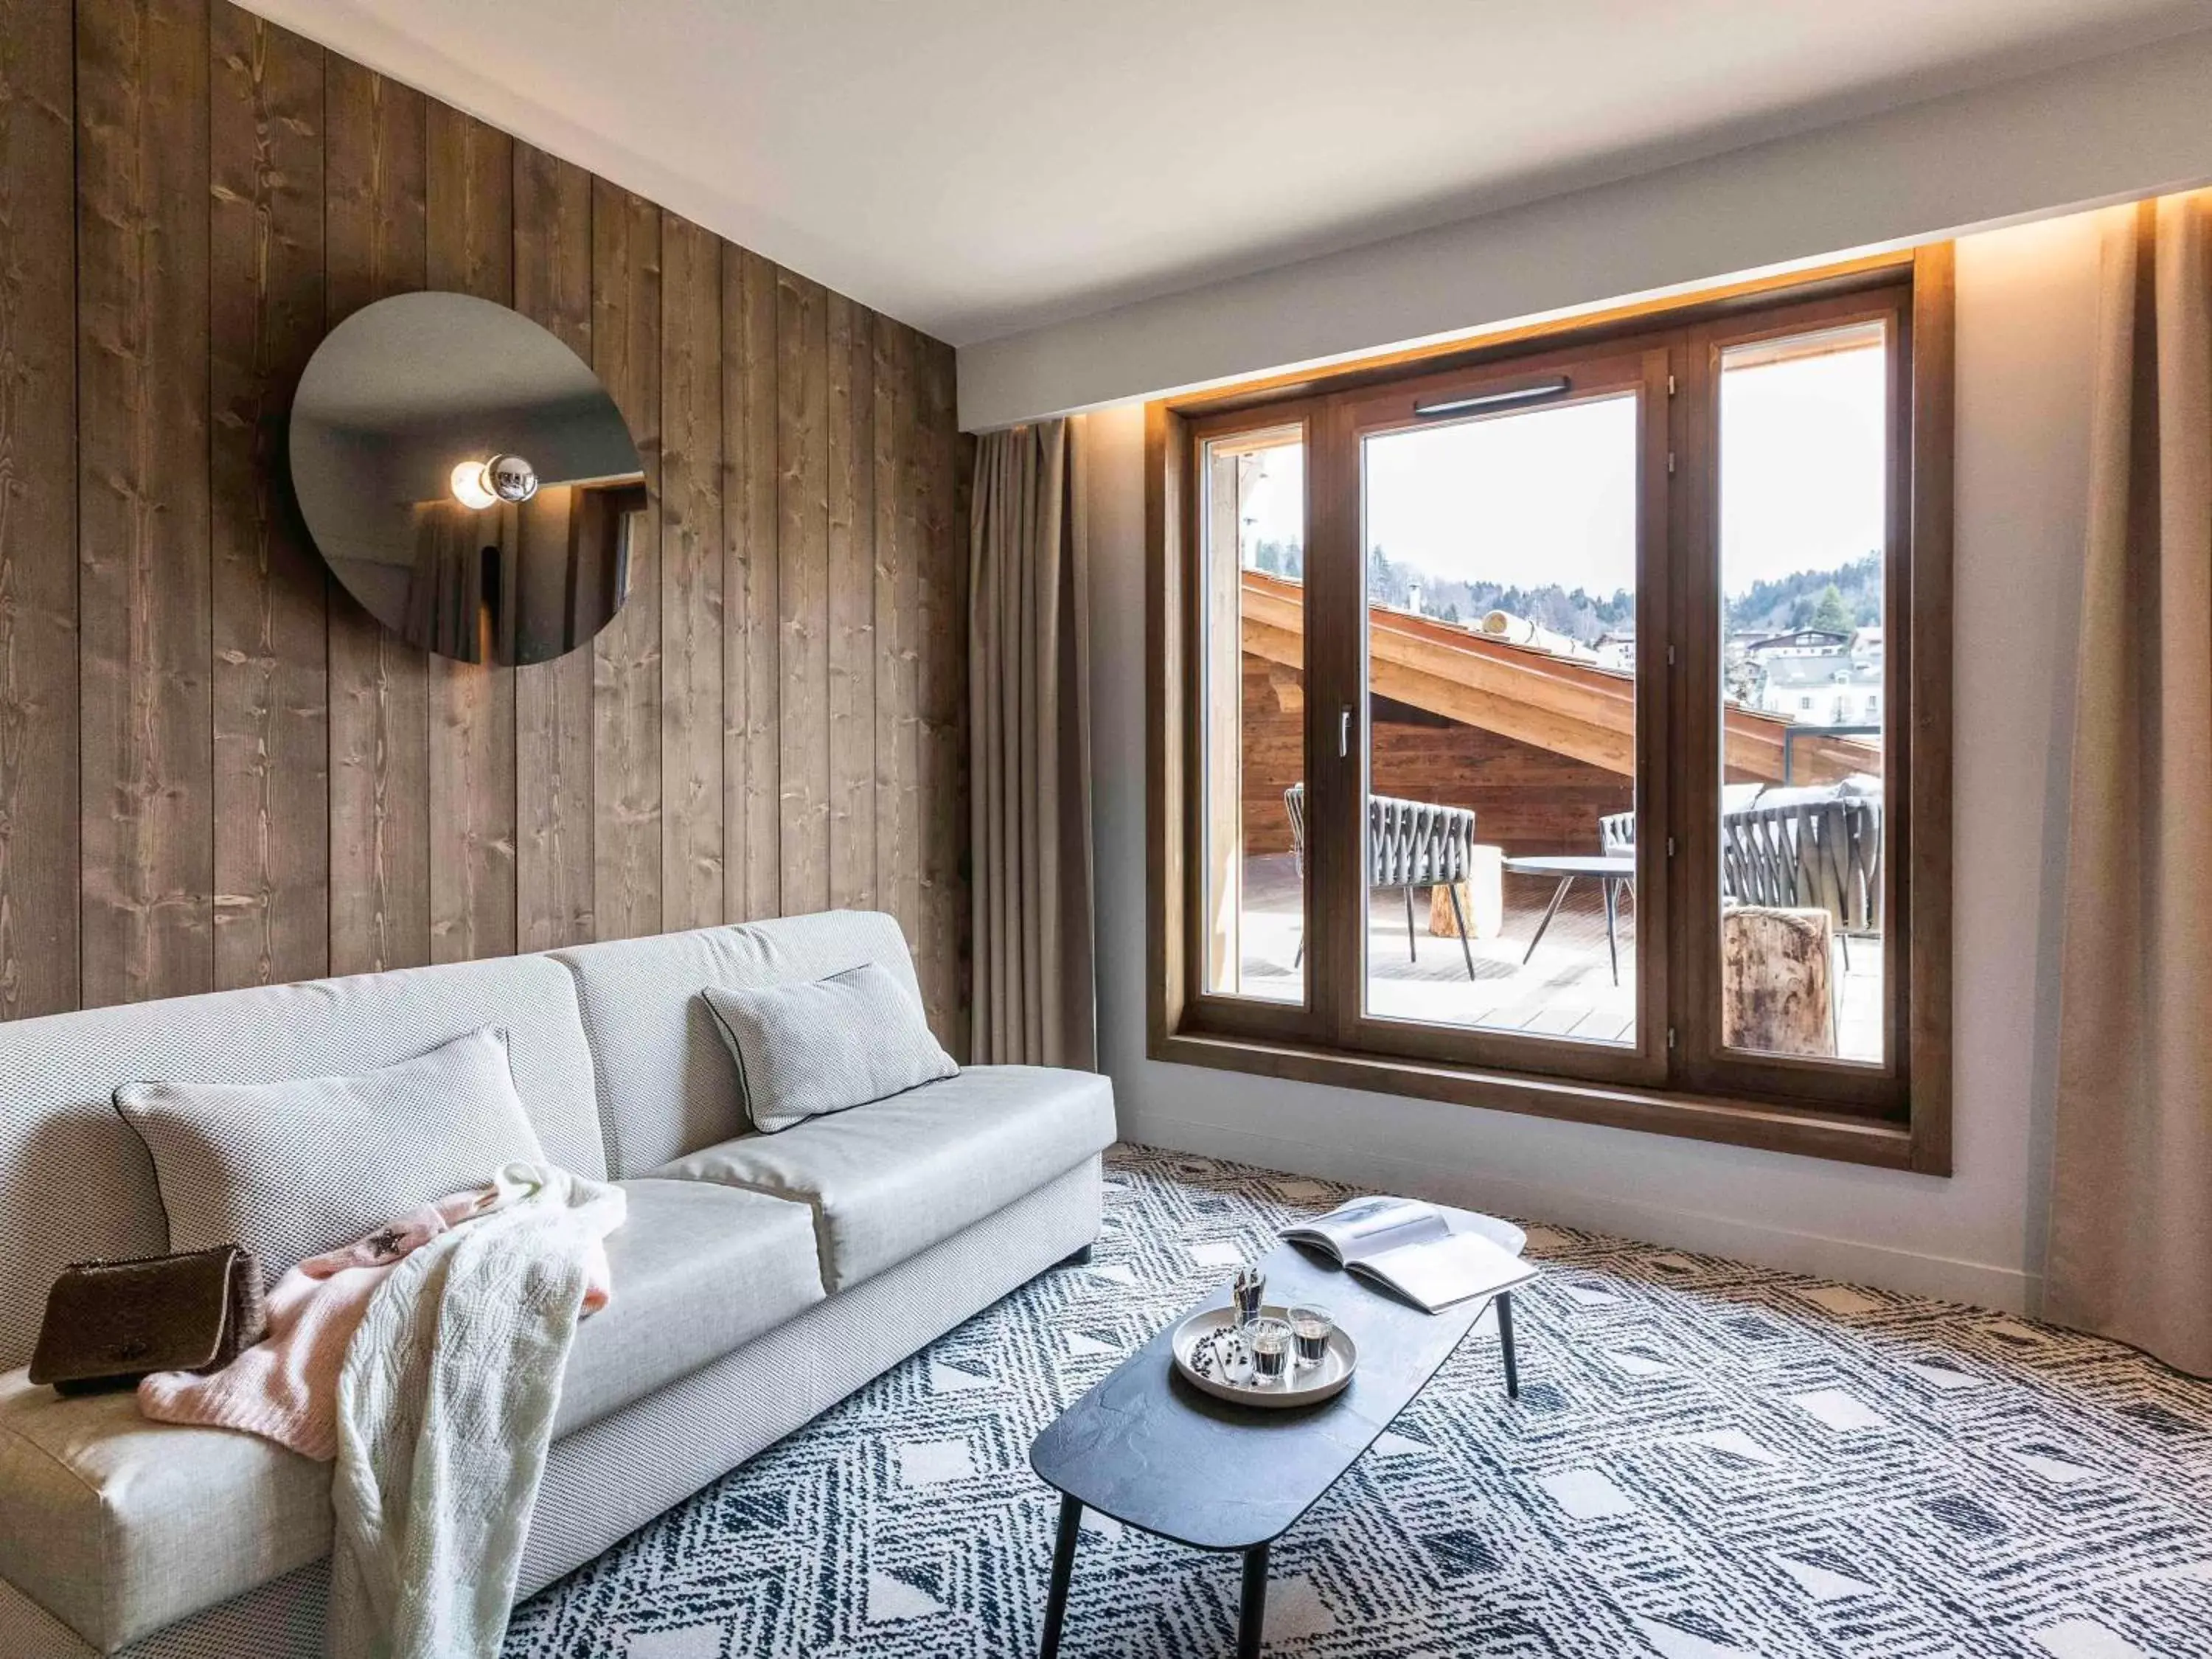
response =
{"points": [[1548, 494]]}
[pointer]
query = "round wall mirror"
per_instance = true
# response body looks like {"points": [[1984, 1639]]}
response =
{"points": [[467, 479]]}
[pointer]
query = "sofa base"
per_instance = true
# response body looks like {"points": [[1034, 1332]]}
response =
{"points": [[604, 1481]]}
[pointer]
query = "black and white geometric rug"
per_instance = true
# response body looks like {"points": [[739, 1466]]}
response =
{"points": [[1707, 1461]]}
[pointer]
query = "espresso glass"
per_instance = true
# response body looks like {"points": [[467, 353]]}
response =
{"points": [[1311, 1327], [1271, 1350]]}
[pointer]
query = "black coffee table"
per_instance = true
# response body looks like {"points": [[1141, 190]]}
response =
{"points": [[1611, 871], [1155, 1452]]}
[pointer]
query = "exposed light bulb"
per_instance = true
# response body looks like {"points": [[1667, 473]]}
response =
{"points": [[470, 488]]}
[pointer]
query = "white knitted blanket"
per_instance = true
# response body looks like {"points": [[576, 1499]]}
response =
{"points": [[446, 1409]]}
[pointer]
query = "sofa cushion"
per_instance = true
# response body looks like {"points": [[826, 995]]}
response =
{"points": [[118, 1526], [75, 1183], [667, 1086], [825, 1045], [698, 1270], [890, 1179], [290, 1169]]}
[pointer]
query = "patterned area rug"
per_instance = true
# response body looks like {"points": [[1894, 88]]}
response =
{"points": [[1708, 1461]]}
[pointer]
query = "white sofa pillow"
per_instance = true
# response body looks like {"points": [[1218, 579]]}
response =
{"points": [[823, 1045], [291, 1169]]}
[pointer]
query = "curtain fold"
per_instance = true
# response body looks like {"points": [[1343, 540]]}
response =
{"points": [[2130, 1242], [1030, 724]]}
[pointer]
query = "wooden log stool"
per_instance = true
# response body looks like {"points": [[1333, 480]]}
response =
{"points": [[1481, 898], [1777, 980]]}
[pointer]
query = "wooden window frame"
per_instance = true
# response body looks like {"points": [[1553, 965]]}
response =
{"points": [[1901, 1122]]}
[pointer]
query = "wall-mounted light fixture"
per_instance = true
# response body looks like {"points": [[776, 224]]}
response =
{"points": [[480, 485]]}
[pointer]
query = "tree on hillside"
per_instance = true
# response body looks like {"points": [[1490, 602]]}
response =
{"points": [[1831, 613], [1385, 582], [1774, 604]]}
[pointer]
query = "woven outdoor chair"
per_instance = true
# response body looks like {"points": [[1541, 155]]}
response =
{"points": [[1410, 843], [1816, 854], [1805, 852]]}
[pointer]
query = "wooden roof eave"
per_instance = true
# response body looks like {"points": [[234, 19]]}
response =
{"points": [[1572, 708]]}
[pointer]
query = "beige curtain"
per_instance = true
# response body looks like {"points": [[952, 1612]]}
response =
{"points": [[2131, 1251], [1029, 717]]}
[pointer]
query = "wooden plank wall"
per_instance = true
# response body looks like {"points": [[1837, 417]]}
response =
{"points": [[214, 769]]}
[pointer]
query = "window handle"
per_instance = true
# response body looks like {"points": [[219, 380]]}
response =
{"points": [[1343, 733]]}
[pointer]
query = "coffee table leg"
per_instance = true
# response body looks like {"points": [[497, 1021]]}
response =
{"points": [[1253, 1614], [1550, 910], [1505, 1341], [1063, 1569]]}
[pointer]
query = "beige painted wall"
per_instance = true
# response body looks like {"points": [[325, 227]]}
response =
{"points": [[2026, 311]]}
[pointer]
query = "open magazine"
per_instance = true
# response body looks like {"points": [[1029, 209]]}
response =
{"points": [[1409, 1247]]}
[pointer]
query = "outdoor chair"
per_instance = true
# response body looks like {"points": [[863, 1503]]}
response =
{"points": [[1813, 851], [1410, 843], [1799, 849]]}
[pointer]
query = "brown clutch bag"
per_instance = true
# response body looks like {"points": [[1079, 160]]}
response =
{"points": [[111, 1322]]}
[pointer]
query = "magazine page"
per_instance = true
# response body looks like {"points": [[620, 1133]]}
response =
{"points": [[1367, 1226], [1439, 1273]]}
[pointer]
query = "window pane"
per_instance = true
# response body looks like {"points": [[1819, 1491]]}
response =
{"points": [[1501, 711], [1252, 714], [1803, 517]]}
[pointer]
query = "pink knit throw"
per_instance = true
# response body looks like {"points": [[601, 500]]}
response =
{"points": [[285, 1388]]}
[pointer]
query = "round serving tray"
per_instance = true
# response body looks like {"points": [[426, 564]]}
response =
{"points": [[1299, 1387]]}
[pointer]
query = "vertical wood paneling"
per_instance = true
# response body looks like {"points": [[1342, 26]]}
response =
{"points": [[147, 769], [752, 817], [38, 803], [38, 512], [898, 633], [215, 767], [941, 959], [692, 717], [852, 413], [553, 700], [802, 368], [468, 205], [374, 224], [626, 656], [271, 692], [469, 247]]}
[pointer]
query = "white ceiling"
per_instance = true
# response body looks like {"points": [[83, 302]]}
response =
{"points": [[979, 167]]}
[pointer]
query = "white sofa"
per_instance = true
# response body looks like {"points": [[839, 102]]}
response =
{"points": [[758, 1279]]}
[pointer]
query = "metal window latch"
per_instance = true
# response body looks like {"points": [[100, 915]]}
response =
{"points": [[1343, 733]]}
